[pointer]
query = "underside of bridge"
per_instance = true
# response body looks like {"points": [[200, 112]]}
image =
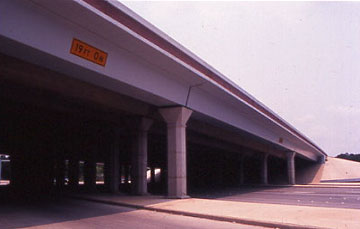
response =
{"points": [[63, 134]]}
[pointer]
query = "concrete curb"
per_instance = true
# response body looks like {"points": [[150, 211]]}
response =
{"points": [[200, 215], [312, 186]]}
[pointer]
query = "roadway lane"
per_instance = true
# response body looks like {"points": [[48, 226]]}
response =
{"points": [[68, 213], [333, 197]]}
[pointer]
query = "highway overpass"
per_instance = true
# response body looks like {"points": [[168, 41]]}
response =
{"points": [[92, 82]]}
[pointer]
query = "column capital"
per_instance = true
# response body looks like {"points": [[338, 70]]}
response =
{"points": [[175, 115]]}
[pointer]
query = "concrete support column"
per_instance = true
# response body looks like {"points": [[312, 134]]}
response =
{"points": [[176, 119], [291, 167], [152, 175], [264, 169], [60, 172], [241, 169], [90, 172], [126, 173], [74, 173], [140, 155], [121, 172], [15, 171], [113, 164], [0, 168]]}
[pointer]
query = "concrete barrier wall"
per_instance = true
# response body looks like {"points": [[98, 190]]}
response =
{"points": [[337, 169]]}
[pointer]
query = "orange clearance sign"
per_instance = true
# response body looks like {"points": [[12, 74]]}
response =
{"points": [[88, 52]]}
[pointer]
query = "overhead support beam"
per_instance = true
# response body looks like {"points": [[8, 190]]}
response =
{"points": [[11, 71], [200, 139], [291, 167], [140, 127], [176, 119], [264, 169], [234, 138]]}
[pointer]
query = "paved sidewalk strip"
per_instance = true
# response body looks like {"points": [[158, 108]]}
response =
{"points": [[267, 215]]}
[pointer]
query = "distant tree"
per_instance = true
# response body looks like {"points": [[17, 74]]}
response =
{"points": [[349, 156]]}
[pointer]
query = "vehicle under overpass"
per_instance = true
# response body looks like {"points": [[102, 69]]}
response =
{"points": [[87, 82]]}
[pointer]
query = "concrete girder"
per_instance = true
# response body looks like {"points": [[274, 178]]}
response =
{"points": [[234, 138], [198, 139], [12, 70]]}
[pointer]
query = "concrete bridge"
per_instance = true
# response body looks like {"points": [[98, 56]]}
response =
{"points": [[89, 81]]}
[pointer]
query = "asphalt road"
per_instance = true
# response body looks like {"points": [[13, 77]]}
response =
{"points": [[67, 213], [334, 197]]}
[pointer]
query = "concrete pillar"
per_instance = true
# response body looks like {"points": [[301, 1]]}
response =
{"points": [[218, 176], [126, 173], [60, 172], [121, 173], [0, 168], [15, 171], [74, 173], [241, 169], [264, 169], [90, 172], [291, 167], [139, 155], [113, 163], [152, 175], [176, 119]]}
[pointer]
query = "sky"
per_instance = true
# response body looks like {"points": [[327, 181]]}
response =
{"points": [[301, 59]]}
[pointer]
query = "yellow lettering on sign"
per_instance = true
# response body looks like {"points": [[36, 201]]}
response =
{"points": [[88, 52]]}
